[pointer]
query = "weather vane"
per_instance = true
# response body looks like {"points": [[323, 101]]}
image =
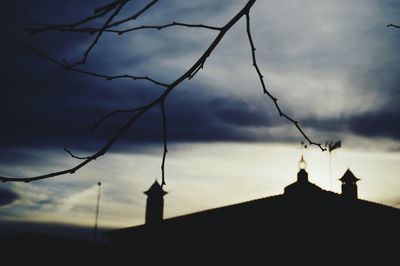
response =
{"points": [[331, 146]]}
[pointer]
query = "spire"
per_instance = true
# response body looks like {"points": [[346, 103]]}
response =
{"points": [[349, 185], [154, 203]]}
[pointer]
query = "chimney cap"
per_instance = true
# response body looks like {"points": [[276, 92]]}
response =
{"points": [[156, 190], [349, 177]]}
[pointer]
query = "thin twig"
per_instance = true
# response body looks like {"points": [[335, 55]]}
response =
{"points": [[108, 6], [99, 153], [118, 5], [107, 116], [69, 67], [74, 156], [266, 92], [134, 16], [120, 32], [165, 139], [109, 77], [96, 39], [393, 26], [99, 12], [197, 70], [160, 27]]}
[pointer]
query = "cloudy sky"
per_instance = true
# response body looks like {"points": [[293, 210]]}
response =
{"points": [[333, 65]]}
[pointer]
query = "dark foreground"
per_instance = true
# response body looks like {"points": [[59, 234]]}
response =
{"points": [[39, 249]]}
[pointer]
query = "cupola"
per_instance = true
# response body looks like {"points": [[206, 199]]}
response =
{"points": [[155, 203], [349, 185]]}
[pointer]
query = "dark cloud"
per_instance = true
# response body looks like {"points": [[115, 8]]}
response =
{"points": [[382, 120], [7, 197], [372, 125], [45, 107], [71, 231], [193, 116], [42, 106], [377, 124]]}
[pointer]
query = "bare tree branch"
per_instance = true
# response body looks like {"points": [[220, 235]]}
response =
{"points": [[120, 5], [120, 32], [120, 132], [265, 91], [137, 112], [99, 12], [173, 24], [117, 5], [88, 159], [109, 77]]}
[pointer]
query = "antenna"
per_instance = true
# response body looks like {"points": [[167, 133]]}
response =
{"points": [[97, 212]]}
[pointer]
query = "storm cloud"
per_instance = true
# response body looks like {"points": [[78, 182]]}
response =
{"points": [[7, 197], [333, 67]]}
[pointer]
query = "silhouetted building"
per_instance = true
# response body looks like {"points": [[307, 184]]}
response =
{"points": [[305, 225]]}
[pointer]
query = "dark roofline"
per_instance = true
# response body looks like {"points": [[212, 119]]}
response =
{"points": [[275, 201], [226, 208], [377, 204], [199, 213]]}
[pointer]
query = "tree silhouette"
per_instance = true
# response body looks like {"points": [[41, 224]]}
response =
{"points": [[109, 13]]}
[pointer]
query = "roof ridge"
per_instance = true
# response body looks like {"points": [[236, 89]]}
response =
{"points": [[226, 206], [380, 204]]}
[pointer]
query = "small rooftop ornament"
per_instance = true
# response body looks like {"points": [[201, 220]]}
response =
{"points": [[302, 163]]}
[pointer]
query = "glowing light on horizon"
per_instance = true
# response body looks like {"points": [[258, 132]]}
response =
{"points": [[200, 176]]}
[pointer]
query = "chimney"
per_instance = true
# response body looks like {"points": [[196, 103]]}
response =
{"points": [[349, 186], [154, 204]]}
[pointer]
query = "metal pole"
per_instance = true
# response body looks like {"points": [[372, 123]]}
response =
{"points": [[97, 212], [330, 170]]}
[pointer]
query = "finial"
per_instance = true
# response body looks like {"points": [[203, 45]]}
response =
{"points": [[302, 163]]}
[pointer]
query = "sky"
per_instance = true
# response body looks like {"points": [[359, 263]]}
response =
{"points": [[333, 65]]}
